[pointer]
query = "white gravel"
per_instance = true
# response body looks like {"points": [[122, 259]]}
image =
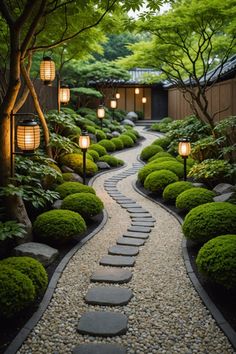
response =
{"points": [[165, 315]]}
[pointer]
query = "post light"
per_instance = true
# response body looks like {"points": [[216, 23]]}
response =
{"points": [[47, 70], [100, 113], [184, 150], [113, 105], [84, 142], [144, 99], [64, 94], [136, 91], [117, 95]]}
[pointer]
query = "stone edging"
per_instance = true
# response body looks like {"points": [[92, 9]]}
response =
{"points": [[216, 314]]}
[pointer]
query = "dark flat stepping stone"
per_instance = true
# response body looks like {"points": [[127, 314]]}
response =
{"points": [[128, 241], [140, 215], [99, 348], [139, 229], [136, 235], [118, 261], [116, 194], [143, 220], [142, 223], [111, 275], [108, 296], [104, 324], [123, 250], [124, 202], [111, 189], [130, 205], [138, 210]]}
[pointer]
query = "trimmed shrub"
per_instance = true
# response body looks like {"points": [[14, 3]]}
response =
{"points": [[149, 151], [75, 161], [160, 154], [91, 129], [108, 145], [217, 260], [16, 291], [145, 171], [164, 142], [111, 160], [100, 135], [88, 156], [99, 148], [172, 191], [162, 159], [94, 155], [156, 181], [31, 268], [173, 166], [210, 220], [118, 143], [193, 197], [135, 132], [133, 136], [127, 140], [86, 204], [68, 188], [56, 227], [189, 161]]}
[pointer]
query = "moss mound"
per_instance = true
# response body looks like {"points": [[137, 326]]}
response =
{"points": [[108, 145], [56, 227], [100, 134], [17, 291], [75, 161], [172, 166], [67, 188], [118, 143], [210, 220], [156, 181], [164, 142], [149, 151], [86, 204], [193, 197], [99, 148], [131, 135], [161, 159], [111, 160], [31, 268], [127, 140], [160, 154], [94, 155], [217, 260], [172, 191]]}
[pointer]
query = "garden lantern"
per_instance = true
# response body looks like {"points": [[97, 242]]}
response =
{"points": [[28, 135], [144, 99], [84, 142], [101, 113], [113, 105], [136, 91], [47, 70], [117, 95], [64, 94], [184, 150]]}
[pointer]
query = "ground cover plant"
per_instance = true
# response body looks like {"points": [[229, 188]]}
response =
{"points": [[193, 197]]}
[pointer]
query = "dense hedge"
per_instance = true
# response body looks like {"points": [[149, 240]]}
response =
{"points": [[75, 161], [108, 145], [210, 220], [156, 181], [111, 160], [118, 143], [67, 188], [172, 191], [217, 260], [193, 197], [149, 151]]}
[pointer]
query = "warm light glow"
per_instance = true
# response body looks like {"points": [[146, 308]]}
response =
{"points": [[144, 99], [100, 112], [117, 95], [64, 94], [184, 148], [28, 135], [113, 103], [47, 70], [84, 141], [136, 91]]}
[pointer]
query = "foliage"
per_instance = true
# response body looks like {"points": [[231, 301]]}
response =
{"points": [[11, 229], [86, 91], [164, 142], [159, 155], [210, 220], [170, 165], [149, 151], [68, 188], [127, 141], [157, 181], [112, 160], [86, 204], [57, 227], [161, 159], [94, 155], [99, 148], [206, 148], [31, 268], [59, 122], [108, 145], [100, 135], [75, 161], [118, 143], [172, 191], [61, 145], [132, 135], [225, 132], [193, 197]]}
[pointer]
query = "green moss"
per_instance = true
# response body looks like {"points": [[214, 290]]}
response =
{"points": [[99, 148], [31, 268], [67, 188], [91, 129], [217, 260], [108, 145], [131, 135], [112, 160], [127, 140], [56, 227], [94, 154], [210, 220], [160, 154], [193, 197], [86, 204], [161, 159], [17, 291], [118, 143], [149, 151], [164, 142], [172, 191], [75, 161], [100, 135], [171, 165], [156, 181]]}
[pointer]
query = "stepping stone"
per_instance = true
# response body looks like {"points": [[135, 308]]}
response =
{"points": [[132, 205], [99, 348], [140, 215], [123, 250], [142, 223], [139, 229], [111, 189], [136, 235], [116, 194], [130, 241], [104, 324], [111, 275], [124, 202], [108, 296], [137, 210], [143, 219], [118, 261]]}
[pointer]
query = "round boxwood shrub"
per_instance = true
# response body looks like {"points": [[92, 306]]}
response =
{"points": [[94, 155], [91, 129], [99, 148], [86, 204], [31, 268], [132, 135], [127, 140], [217, 260], [149, 151], [171, 165], [210, 220], [75, 161], [108, 145], [145, 171], [67, 188], [17, 291], [164, 142], [160, 154], [118, 143], [100, 134], [162, 159], [56, 227], [193, 197], [156, 181], [111, 160], [172, 191]]}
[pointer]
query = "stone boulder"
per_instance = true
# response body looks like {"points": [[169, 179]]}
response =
{"points": [[66, 169], [128, 122], [223, 197], [57, 204], [223, 188], [132, 116], [43, 253], [103, 165], [115, 134]]}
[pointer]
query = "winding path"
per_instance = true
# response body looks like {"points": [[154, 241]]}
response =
{"points": [[165, 314]]}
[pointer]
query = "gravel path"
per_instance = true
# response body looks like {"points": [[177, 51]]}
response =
{"points": [[165, 315]]}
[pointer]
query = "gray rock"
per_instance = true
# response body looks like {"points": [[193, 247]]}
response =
{"points": [[123, 250], [118, 261], [128, 241], [132, 116], [143, 229], [66, 169], [128, 122], [76, 178], [223, 197], [115, 134], [111, 275], [103, 165], [223, 188], [57, 204], [141, 235], [108, 296], [99, 348], [198, 184], [43, 253]]}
